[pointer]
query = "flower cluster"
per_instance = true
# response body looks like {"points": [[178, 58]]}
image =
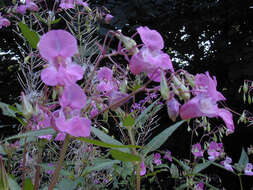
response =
{"points": [[29, 5]]}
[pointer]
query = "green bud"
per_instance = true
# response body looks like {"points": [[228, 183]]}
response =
{"points": [[4, 185], [245, 87], [164, 89], [184, 91], [128, 42], [249, 99], [190, 79], [27, 107]]}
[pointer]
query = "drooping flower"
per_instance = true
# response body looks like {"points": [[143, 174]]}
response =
{"points": [[4, 21], [205, 102], [248, 169], [150, 59], [57, 47], [227, 164], [70, 4], [157, 159], [29, 5], [197, 150], [168, 156], [214, 150]]}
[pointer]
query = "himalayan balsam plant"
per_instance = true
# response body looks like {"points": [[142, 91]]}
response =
{"points": [[82, 125]]}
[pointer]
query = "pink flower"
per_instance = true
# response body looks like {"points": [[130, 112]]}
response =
{"points": [[151, 38], [205, 102], [157, 159], [60, 136], [173, 108], [4, 22], [248, 169], [73, 97], [108, 18], [150, 58], [104, 74], [226, 164], [67, 4], [30, 5], [76, 126], [150, 61], [57, 45], [200, 186], [197, 150], [214, 150], [168, 156], [143, 169]]}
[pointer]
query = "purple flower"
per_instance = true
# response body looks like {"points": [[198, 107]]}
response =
{"points": [[199, 186], [143, 169], [4, 22], [60, 136], [172, 108], [205, 102], [30, 5], [168, 155], [214, 150], [108, 18], [67, 4], [226, 164], [248, 169], [104, 74], [197, 150], [50, 171], [157, 159]]}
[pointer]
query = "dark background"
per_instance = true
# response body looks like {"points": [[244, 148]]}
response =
{"points": [[199, 35]]}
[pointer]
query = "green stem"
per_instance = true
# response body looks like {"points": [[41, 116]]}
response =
{"points": [[39, 160], [59, 164], [240, 179], [137, 164]]}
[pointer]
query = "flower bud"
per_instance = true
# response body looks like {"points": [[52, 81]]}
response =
{"points": [[164, 87], [128, 42], [190, 79], [172, 108], [181, 88], [27, 107]]}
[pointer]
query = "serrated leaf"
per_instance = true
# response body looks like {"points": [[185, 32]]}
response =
{"points": [[128, 121], [31, 36], [199, 167], [28, 184], [124, 157], [108, 139], [101, 165], [106, 145], [158, 140], [33, 134], [243, 161]]}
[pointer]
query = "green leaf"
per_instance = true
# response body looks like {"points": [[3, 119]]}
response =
{"points": [[108, 139], [106, 145], [69, 184], [6, 110], [28, 184], [124, 157], [128, 121], [13, 184], [33, 134], [174, 171], [198, 168], [243, 161], [2, 151], [102, 164], [56, 21], [158, 140], [31, 36], [40, 18]]}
